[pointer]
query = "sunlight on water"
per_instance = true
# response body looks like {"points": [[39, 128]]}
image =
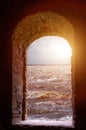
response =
{"points": [[49, 93]]}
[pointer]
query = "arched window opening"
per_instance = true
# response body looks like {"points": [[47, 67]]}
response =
{"points": [[49, 82], [33, 29]]}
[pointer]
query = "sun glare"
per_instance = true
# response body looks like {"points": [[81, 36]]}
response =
{"points": [[61, 49], [50, 50]]}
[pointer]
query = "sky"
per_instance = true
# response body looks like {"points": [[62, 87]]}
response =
{"points": [[49, 50]]}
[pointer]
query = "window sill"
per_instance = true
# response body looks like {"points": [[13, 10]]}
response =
{"points": [[36, 122]]}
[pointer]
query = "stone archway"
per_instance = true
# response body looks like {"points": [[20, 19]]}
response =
{"points": [[28, 30]]}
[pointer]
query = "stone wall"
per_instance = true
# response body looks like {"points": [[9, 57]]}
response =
{"points": [[17, 81]]}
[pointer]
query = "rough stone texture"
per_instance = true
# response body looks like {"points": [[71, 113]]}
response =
{"points": [[40, 24], [28, 30], [17, 81]]}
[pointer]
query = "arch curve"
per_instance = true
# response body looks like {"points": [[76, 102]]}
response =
{"points": [[42, 24]]}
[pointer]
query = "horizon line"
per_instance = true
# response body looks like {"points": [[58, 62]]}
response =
{"points": [[46, 64]]}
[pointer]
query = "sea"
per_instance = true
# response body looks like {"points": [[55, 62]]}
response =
{"points": [[49, 92]]}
